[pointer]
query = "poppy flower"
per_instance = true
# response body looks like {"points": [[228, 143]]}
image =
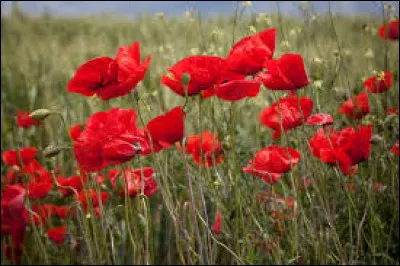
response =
{"points": [[288, 112], [42, 213], [392, 110], [34, 168], [379, 83], [238, 89], [390, 31], [15, 174], [57, 234], [109, 138], [225, 77], [346, 147], [38, 189], [379, 187], [281, 206], [13, 216], [11, 177], [63, 211], [109, 78], [351, 187], [320, 119], [217, 223], [305, 183], [356, 107], [209, 146], [133, 179], [167, 129], [75, 182], [91, 195], [25, 121], [395, 149], [248, 55], [13, 252], [271, 162], [285, 73], [75, 131], [27, 155], [204, 72]]}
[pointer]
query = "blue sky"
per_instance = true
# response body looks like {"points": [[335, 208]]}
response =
{"points": [[207, 8]]}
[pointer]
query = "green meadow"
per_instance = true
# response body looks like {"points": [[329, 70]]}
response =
{"points": [[330, 223]]}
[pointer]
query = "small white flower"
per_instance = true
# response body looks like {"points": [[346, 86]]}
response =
{"points": [[195, 51], [252, 29], [246, 3], [369, 53], [292, 32], [317, 84], [318, 60], [285, 43]]}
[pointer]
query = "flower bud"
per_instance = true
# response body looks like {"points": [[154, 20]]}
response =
{"points": [[51, 151], [185, 78], [40, 114]]}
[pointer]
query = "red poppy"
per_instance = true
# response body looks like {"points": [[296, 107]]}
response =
{"points": [[39, 188], [347, 147], [64, 211], [265, 197], [217, 223], [282, 208], [379, 187], [285, 73], [75, 131], [395, 149], [271, 162], [209, 147], [356, 107], [109, 78], [41, 214], [15, 174], [11, 177], [306, 182], [27, 155], [109, 138], [390, 31], [167, 129], [25, 121], [57, 234], [248, 55], [288, 111], [34, 168], [13, 216], [91, 195], [13, 253], [320, 119], [236, 90], [379, 83], [351, 186], [75, 182], [393, 110], [204, 72], [134, 181], [225, 77]]}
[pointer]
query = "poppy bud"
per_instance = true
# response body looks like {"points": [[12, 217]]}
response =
{"points": [[51, 151], [185, 78], [40, 114], [375, 139]]}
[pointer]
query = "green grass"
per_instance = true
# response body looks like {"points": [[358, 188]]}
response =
{"points": [[40, 55]]}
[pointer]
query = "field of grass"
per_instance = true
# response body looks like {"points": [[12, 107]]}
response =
{"points": [[331, 224]]}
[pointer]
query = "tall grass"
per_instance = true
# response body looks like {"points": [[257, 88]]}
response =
{"points": [[332, 225]]}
